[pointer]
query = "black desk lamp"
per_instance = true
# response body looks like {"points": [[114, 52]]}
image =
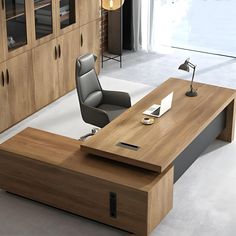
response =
{"points": [[192, 92]]}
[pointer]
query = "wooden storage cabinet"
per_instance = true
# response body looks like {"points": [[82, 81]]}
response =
{"points": [[45, 70], [16, 23], [89, 10], [39, 43], [20, 83], [90, 40], [2, 47], [44, 24], [67, 15], [54, 67], [4, 102], [52, 18], [17, 90], [69, 50]]}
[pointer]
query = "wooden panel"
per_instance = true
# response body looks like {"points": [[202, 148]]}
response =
{"points": [[69, 45], [55, 172], [79, 194], [228, 134], [65, 153], [3, 37], [90, 41], [72, 26], [45, 70], [160, 200], [4, 104], [160, 143], [15, 52], [20, 87], [40, 41], [89, 10]]}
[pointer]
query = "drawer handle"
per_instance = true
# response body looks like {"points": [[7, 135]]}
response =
{"points": [[8, 77], [59, 50], [81, 40], [3, 80], [55, 52], [113, 205]]}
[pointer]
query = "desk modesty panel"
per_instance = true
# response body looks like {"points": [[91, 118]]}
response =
{"points": [[156, 146]]}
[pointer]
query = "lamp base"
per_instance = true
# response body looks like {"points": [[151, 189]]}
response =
{"points": [[191, 93]]}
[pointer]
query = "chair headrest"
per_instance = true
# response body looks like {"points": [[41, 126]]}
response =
{"points": [[86, 63]]}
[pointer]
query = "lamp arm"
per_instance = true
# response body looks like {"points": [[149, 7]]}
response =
{"points": [[191, 65], [191, 85]]}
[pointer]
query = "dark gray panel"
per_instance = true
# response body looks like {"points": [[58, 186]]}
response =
{"points": [[115, 30], [193, 151]]}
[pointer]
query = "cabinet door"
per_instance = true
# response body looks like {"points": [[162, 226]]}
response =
{"points": [[20, 85], [45, 60], [2, 48], [89, 10], [90, 41], [16, 27], [43, 21], [69, 45], [67, 15], [4, 105]]}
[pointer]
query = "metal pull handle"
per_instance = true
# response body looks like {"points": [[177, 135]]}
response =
{"points": [[59, 49], [81, 40], [113, 205], [8, 77], [3, 6], [3, 80], [55, 53]]}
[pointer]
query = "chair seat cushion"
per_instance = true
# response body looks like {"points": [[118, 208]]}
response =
{"points": [[112, 110]]}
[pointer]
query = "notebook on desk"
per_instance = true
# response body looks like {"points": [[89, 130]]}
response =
{"points": [[158, 110]]}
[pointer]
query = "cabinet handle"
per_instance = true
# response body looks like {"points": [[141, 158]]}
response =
{"points": [[8, 77], [81, 40], [3, 80], [59, 49], [55, 53], [3, 6], [113, 205]]}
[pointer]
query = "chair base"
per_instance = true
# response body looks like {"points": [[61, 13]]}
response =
{"points": [[93, 132]]}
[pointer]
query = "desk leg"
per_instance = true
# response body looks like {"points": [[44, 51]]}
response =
{"points": [[228, 133]]}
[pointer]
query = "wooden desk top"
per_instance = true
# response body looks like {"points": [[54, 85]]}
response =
{"points": [[159, 144], [62, 152]]}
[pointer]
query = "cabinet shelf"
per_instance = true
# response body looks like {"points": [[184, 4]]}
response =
{"points": [[65, 17], [42, 4], [12, 14]]}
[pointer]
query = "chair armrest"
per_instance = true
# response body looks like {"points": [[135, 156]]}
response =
{"points": [[94, 116], [116, 98]]}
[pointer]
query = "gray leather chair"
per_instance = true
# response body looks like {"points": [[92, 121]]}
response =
{"points": [[98, 106]]}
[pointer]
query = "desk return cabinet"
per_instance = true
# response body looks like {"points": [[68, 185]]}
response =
{"points": [[39, 43]]}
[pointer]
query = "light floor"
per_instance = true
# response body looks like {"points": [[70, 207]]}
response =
{"points": [[204, 197]]}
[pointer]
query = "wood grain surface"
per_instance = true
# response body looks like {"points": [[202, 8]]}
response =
{"points": [[159, 144], [51, 169]]}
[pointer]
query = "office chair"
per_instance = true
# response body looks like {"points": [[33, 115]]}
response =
{"points": [[98, 106]]}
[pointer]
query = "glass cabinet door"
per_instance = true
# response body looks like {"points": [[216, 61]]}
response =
{"points": [[15, 23], [43, 18], [67, 13]]}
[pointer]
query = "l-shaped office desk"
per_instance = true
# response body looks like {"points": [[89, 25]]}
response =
{"points": [[123, 176]]}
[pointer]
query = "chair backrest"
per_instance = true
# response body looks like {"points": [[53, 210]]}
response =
{"points": [[88, 86]]}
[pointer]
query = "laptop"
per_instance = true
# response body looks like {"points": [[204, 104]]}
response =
{"points": [[158, 110]]}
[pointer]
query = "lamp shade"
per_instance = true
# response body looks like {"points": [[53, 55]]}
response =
{"points": [[112, 5], [184, 66]]}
